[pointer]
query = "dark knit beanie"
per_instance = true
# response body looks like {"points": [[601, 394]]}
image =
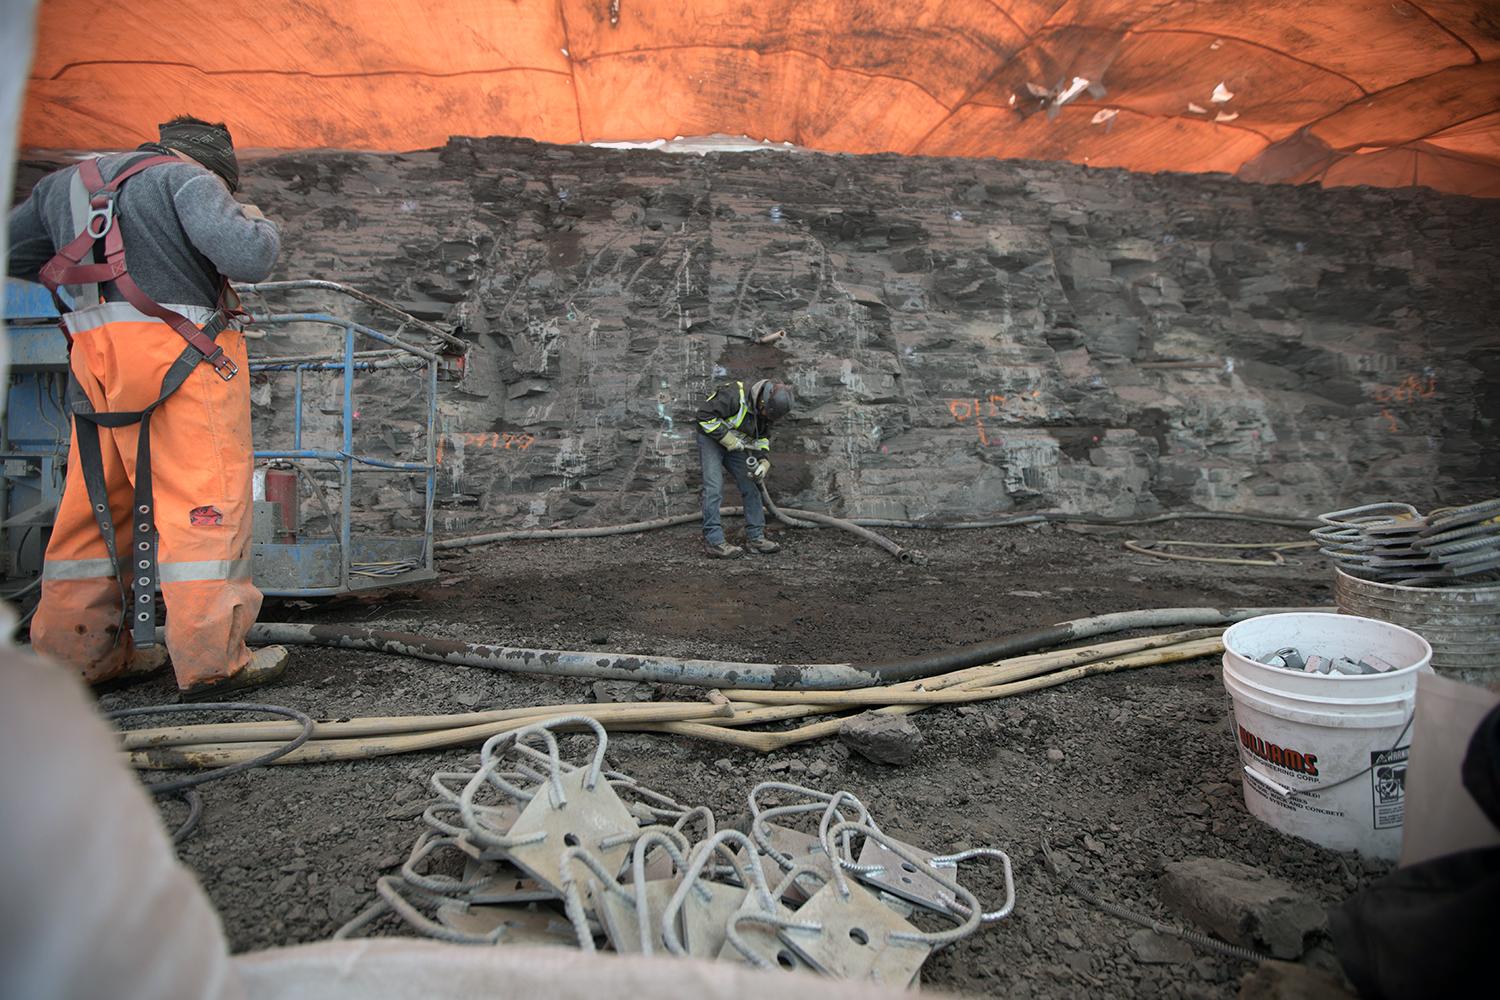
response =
{"points": [[208, 143]]}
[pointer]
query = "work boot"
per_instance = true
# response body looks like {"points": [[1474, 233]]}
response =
{"points": [[266, 664], [142, 665], [764, 546], [723, 551]]}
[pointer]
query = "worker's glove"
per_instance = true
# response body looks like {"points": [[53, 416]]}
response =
{"points": [[760, 468], [732, 441]]}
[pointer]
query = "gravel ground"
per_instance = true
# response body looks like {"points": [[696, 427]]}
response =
{"points": [[1123, 773]]}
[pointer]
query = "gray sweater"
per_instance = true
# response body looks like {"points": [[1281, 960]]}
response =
{"points": [[182, 230]]}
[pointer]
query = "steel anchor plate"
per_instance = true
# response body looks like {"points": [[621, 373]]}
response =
{"points": [[503, 883], [899, 877], [705, 921], [622, 924], [588, 817], [523, 925], [761, 939], [856, 938]]}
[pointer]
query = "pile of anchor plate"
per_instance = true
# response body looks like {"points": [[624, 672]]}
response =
{"points": [[1396, 543], [532, 849]]}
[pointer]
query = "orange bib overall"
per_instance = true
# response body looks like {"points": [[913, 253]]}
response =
{"points": [[202, 459]]}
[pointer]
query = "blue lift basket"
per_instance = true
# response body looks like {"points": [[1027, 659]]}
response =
{"points": [[34, 436]]}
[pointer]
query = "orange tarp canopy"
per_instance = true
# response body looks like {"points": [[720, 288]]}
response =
{"points": [[1343, 92]]}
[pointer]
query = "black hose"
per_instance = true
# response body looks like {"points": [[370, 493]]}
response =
{"points": [[908, 668], [195, 813], [178, 784], [718, 673], [33, 585]]}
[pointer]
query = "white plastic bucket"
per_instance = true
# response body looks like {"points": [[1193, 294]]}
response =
{"points": [[1323, 756]]}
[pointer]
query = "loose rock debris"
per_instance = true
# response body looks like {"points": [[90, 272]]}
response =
{"points": [[1242, 904], [1291, 658], [552, 852], [983, 775], [885, 739]]}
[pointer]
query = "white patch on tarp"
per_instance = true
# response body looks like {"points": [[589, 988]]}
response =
{"points": [[1074, 89]]}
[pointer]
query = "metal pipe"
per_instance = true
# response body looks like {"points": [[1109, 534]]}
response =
{"points": [[346, 466], [430, 497], [285, 319], [397, 342], [338, 456], [297, 405], [354, 293], [378, 364], [379, 463], [732, 674], [277, 359]]}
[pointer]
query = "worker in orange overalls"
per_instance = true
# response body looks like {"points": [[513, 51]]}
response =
{"points": [[159, 475]]}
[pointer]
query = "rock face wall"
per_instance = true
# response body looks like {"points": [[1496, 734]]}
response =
{"points": [[964, 338]]}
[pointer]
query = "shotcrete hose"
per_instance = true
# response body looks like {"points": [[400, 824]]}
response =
{"points": [[730, 674], [811, 519], [1093, 520], [527, 534], [792, 517]]}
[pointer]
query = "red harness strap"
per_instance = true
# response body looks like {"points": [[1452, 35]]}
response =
{"points": [[68, 266]]}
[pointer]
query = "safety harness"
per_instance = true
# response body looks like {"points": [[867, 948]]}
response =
{"points": [[77, 264]]}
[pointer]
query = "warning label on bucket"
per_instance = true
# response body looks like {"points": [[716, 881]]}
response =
{"points": [[1388, 773]]}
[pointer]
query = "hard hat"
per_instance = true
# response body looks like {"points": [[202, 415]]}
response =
{"points": [[773, 398]]}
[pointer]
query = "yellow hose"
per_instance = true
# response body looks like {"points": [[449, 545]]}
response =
{"points": [[716, 720]]}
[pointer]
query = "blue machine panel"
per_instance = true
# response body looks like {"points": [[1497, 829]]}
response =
{"points": [[28, 300], [33, 430]]}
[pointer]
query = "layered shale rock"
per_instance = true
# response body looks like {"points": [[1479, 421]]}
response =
{"points": [[965, 338]]}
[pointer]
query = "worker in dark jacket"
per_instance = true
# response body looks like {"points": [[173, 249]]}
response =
{"points": [[159, 496], [734, 425]]}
